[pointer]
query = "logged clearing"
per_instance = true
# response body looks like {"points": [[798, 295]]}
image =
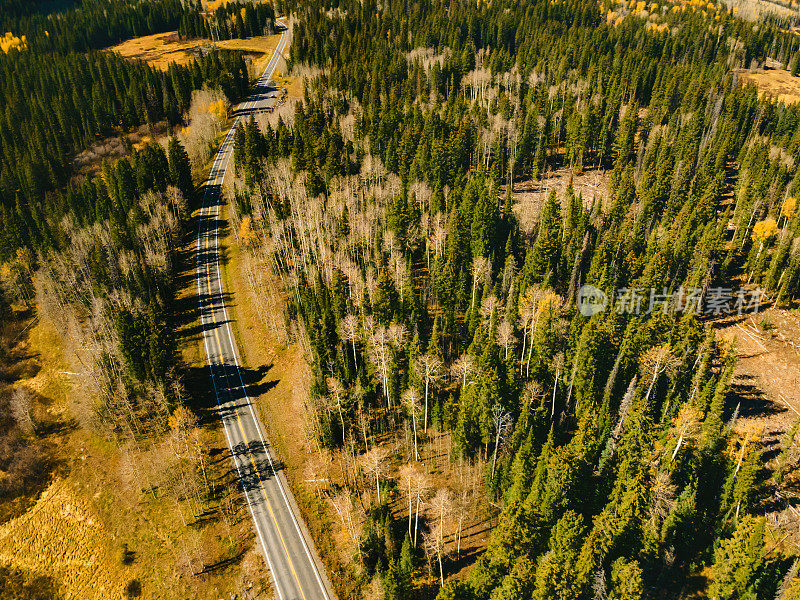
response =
{"points": [[530, 194], [778, 83], [162, 49], [766, 387]]}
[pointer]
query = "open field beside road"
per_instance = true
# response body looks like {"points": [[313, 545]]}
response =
{"points": [[162, 49]]}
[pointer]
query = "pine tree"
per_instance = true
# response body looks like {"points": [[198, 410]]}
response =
{"points": [[555, 577], [542, 258], [737, 559], [626, 581], [180, 170]]}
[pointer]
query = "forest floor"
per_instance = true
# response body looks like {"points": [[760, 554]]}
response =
{"points": [[766, 388]]}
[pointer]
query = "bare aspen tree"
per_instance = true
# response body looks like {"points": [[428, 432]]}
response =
{"points": [[599, 586], [429, 367], [529, 315], [430, 548], [359, 393], [398, 335], [349, 332], [408, 474], [422, 485], [663, 497], [656, 361], [502, 421], [481, 272], [374, 461], [490, 306], [440, 504], [338, 390], [379, 347], [687, 424], [20, 405], [462, 505], [342, 503], [411, 400], [505, 336], [462, 368], [314, 475]]}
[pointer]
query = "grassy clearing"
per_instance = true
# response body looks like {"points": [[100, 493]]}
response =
{"points": [[162, 49], [778, 83], [63, 537], [93, 531]]}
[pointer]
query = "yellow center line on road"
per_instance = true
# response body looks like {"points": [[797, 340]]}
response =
{"points": [[244, 436]]}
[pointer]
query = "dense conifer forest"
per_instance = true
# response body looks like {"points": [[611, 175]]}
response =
{"points": [[430, 303]]}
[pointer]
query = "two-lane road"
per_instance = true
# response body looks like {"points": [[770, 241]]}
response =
{"points": [[297, 573]]}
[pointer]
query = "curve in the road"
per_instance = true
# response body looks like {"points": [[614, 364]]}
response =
{"points": [[296, 570]]}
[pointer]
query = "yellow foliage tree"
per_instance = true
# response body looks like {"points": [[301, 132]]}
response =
{"points": [[789, 207], [246, 233], [9, 42], [793, 590], [765, 230], [218, 109], [181, 419]]}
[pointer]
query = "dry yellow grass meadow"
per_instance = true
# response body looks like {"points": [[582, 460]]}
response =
{"points": [[161, 49], [63, 538], [778, 83]]}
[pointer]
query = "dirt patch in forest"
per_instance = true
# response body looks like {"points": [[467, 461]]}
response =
{"points": [[529, 194], [88, 162], [766, 390]]}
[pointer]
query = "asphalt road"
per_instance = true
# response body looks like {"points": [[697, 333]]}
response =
{"points": [[297, 573]]}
